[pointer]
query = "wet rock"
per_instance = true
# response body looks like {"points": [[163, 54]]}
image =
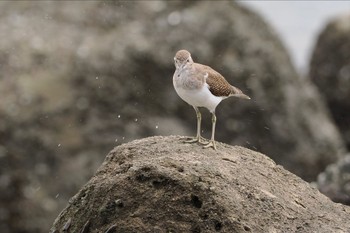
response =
{"points": [[330, 71], [233, 189]]}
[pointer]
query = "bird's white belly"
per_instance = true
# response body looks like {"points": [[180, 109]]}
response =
{"points": [[199, 97]]}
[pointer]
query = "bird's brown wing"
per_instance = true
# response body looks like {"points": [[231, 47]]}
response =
{"points": [[218, 85]]}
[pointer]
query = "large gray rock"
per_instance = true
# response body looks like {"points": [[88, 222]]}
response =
{"points": [[330, 71], [161, 184], [137, 53], [76, 77]]}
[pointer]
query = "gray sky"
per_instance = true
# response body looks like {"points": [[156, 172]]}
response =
{"points": [[298, 23]]}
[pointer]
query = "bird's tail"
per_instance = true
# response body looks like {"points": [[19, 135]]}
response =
{"points": [[242, 96], [235, 92]]}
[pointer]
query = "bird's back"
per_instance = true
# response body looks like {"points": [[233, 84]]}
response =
{"points": [[218, 85]]}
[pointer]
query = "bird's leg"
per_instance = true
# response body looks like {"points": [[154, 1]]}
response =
{"points": [[212, 140], [198, 138]]}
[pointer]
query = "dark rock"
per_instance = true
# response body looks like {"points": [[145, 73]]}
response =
{"points": [[330, 71], [230, 190], [76, 77]]}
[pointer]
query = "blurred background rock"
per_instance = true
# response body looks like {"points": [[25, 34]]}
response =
{"points": [[330, 71], [79, 78]]}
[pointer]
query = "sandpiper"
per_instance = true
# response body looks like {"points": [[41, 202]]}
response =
{"points": [[201, 86]]}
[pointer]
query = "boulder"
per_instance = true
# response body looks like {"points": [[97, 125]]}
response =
{"points": [[285, 111], [330, 71], [161, 184], [77, 77]]}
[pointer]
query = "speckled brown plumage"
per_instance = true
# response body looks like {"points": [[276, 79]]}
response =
{"points": [[218, 85]]}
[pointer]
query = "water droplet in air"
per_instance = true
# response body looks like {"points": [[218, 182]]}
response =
{"points": [[136, 120], [59, 145], [156, 126], [118, 116], [96, 77]]}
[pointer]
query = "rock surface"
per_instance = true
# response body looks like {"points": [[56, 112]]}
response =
{"points": [[330, 71], [161, 184], [76, 77]]}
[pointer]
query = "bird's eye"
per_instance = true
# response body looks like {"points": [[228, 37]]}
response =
{"points": [[188, 60]]}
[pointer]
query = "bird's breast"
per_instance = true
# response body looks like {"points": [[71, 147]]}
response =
{"points": [[186, 80], [200, 97]]}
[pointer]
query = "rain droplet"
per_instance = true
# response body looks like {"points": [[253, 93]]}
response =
{"points": [[118, 116], [136, 120], [116, 140], [96, 77], [57, 195], [123, 138], [156, 126], [59, 145]]}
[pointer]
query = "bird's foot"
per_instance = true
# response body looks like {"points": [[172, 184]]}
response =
{"points": [[210, 144], [199, 139]]}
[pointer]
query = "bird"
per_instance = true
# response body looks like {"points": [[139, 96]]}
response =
{"points": [[201, 86]]}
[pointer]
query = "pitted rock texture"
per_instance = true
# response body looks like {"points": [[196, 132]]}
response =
{"points": [[161, 184]]}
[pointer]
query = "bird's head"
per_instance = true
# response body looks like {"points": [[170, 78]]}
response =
{"points": [[183, 59]]}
